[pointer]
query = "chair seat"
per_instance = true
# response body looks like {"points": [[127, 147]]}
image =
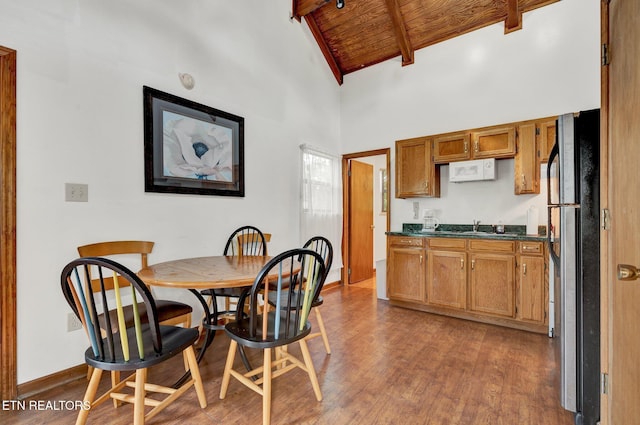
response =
{"points": [[239, 331], [284, 299], [174, 341], [166, 310]]}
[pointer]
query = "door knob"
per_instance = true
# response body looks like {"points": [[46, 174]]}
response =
{"points": [[627, 272]]}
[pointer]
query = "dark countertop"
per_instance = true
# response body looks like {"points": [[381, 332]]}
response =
{"points": [[512, 232]]}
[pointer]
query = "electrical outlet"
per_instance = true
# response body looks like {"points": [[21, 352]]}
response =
{"points": [[73, 323], [76, 192]]}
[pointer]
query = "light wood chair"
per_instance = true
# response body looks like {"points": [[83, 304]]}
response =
{"points": [[272, 330], [116, 345]]}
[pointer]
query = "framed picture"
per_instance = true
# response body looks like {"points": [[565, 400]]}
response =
{"points": [[191, 148]]}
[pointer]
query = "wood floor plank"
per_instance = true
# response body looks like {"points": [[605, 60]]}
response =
{"points": [[388, 365]]}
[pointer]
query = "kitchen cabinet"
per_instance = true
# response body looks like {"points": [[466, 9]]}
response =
{"points": [[492, 277], [416, 174], [532, 283], [546, 134], [492, 284], [502, 282], [488, 142], [406, 269], [451, 147], [526, 165], [494, 142], [447, 273]]}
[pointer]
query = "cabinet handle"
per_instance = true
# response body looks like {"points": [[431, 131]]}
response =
{"points": [[476, 146], [524, 181], [462, 263], [420, 259], [524, 269], [473, 264], [528, 248], [426, 185], [466, 147]]}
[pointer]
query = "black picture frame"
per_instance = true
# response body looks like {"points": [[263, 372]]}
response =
{"points": [[190, 148]]}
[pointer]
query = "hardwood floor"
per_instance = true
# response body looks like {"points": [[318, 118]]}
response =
{"points": [[388, 365]]}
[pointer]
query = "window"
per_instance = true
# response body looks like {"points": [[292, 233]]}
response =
{"points": [[321, 192]]}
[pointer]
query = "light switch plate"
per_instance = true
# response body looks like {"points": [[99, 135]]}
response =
{"points": [[76, 192]]}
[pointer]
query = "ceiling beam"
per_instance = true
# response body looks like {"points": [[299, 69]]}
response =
{"points": [[513, 22], [324, 48], [400, 31], [304, 7]]}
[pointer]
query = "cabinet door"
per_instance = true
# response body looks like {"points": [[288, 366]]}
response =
{"points": [[546, 133], [416, 175], [492, 284], [451, 147], [406, 274], [447, 279], [497, 142], [526, 165], [531, 300]]}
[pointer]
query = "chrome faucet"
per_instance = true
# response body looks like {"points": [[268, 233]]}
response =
{"points": [[476, 223]]}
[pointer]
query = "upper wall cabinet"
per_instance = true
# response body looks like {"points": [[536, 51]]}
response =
{"points": [[416, 175], [489, 142], [546, 134], [451, 147], [526, 166], [494, 142], [528, 142]]}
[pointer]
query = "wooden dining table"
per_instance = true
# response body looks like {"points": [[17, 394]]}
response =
{"points": [[214, 272]]}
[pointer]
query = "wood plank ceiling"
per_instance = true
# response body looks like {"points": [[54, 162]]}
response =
{"points": [[366, 32]]}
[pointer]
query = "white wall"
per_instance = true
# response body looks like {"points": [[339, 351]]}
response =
{"points": [[550, 67], [81, 68]]}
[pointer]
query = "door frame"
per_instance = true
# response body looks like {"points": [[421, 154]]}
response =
{"points": [[346, 202], [605, 234], [8, 353]]}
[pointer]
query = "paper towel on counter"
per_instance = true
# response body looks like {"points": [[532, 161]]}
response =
{"points": [[532, 220]]}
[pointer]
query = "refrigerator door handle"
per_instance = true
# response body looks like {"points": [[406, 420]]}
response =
{"points": [[554, 153]]}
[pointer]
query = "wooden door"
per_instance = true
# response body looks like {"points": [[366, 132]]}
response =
{"points": [[8, 369], [361, 222], [623, 239]]}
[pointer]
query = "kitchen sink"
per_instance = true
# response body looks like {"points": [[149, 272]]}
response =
{"points": [[481, 233]]}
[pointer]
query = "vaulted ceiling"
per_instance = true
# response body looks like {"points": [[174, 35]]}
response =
{"points": [[366, 32]]}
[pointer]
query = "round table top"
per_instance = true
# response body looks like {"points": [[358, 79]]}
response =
{"points": [[205, 272]]}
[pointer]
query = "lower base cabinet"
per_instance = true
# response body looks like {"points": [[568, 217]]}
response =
{"points": [[406, 260], [492, 284], [531, 289], [502, 282], [447, 279]]}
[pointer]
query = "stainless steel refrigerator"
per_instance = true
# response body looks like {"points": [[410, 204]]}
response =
{"points": [[573, 207]]}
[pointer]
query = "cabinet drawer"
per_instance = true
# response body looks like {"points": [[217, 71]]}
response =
{"points": [[406, 241], [447, 243], [531, 247], [492, 246]]}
